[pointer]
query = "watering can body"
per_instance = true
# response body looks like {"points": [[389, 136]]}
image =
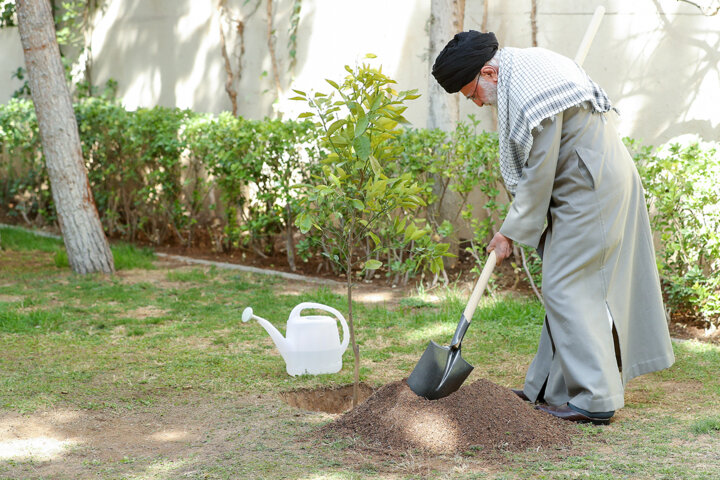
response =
{"points": [[312, 343]]}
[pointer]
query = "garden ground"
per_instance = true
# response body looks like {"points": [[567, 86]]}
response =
{"points": [[150, 375]]}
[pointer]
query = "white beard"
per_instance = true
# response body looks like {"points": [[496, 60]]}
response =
{"points": [[490, 90]]}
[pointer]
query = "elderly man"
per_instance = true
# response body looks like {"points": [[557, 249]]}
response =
{"points": [[578, 199]]}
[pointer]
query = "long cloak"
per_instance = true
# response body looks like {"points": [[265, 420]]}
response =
{"points": [[605, 321]]}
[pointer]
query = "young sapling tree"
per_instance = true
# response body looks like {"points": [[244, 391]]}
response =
{"points": [[353, 194]]}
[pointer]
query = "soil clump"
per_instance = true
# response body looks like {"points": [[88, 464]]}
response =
{"points": [[480, 416]]}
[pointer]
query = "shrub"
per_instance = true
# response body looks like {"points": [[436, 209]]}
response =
{"points": [[683, 196], [161, 174], [134, 168], [24, 183], [464, 161], [221, 145]]}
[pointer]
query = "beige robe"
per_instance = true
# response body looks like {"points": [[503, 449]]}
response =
{"points": [[598, 257]]}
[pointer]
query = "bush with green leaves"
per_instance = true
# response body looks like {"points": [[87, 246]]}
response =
{"points": [[288, 153], [463, 161], [134, 168], [221, 145], [683, 196], [165, 175], [24, 183], [168, 175]]}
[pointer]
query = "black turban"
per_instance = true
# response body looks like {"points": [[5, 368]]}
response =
{"points": [[462, 58]]}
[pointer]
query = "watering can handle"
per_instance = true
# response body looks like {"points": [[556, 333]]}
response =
{"points": [[319, 306], [480, 286]]}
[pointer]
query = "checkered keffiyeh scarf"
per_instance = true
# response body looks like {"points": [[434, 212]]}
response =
{"points": [[535, 84]]}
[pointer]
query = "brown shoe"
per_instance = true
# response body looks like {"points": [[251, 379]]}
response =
{"points": [[566, 413], [520, 394]]}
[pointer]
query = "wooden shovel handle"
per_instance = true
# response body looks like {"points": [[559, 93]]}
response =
{"points": [[589, 35], [480, 286]]}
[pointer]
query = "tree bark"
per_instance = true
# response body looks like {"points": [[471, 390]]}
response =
{"points": [[533, 22], [446, 19], [231, 76], [87, 247], [271, 48]]}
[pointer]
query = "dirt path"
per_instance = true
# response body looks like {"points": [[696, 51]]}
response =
{"points": [[171, 439]]}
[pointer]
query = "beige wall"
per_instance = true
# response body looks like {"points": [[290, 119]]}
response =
{"points": [[11, 57], [659, 60]]}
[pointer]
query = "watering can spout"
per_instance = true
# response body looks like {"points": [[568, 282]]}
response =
{"points": [[280, 342]]}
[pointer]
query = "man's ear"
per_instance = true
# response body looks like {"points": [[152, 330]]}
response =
{"points": [[490, 72]]}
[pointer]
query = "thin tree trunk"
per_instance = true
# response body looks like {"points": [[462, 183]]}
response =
{"points": [[230, 74], [483, 27], [289, 243], [533, 22], [446, 19], [351, 324], [87, 247], [271, 47]]}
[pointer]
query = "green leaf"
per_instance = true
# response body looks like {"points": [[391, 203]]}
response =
{"points": [[361, 125], [335, 180], [304, 222], [375, 165], [362, 147], [300, 92], [417, 234], [375, 238], [357, 204], [373, 264], [306, 115], [335, 125]]}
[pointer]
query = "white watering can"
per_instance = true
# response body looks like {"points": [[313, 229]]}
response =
{"points": [[312, 344]]}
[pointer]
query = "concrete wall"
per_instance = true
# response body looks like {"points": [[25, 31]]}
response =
{"points": [[658, 60], [11, 58]]}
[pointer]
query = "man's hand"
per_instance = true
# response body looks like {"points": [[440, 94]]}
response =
{"points": [[502, 246]]}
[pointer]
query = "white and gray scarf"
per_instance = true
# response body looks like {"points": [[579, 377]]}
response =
{"points": [[535, 84]]}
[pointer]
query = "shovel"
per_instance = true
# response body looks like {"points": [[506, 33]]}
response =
{"points": [[442, 370]]}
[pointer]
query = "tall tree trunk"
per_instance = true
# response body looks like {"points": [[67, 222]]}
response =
{"points": [[533, 22], [446, 19], [230, 74], [271, 47], [87, 247]]}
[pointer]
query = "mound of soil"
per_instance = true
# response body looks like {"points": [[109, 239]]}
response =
{"points": [[479, 416]]}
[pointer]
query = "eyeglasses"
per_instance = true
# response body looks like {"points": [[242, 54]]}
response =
{"points": [[472, 95]]}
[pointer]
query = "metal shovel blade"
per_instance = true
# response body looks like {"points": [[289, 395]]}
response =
{"points": [[440, 372]]}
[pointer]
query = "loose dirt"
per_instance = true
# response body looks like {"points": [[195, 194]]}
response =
{"points": [[480, 416]]}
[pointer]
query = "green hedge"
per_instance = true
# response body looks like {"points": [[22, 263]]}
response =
{"points": [[164, 175], [682, 188]]}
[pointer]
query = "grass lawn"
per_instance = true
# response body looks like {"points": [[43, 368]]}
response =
{"points": [[150, 374]]}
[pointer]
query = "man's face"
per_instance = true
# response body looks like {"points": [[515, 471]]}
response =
{"points": [[482, 90]]}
